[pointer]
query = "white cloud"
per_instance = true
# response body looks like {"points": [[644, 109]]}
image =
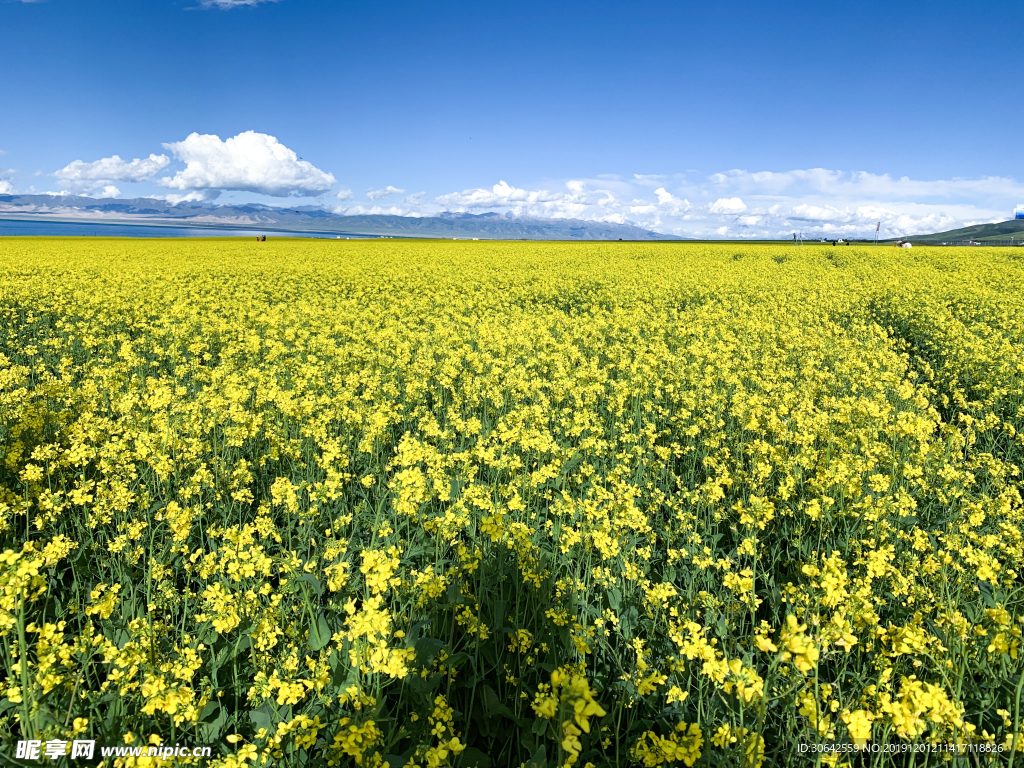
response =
{"points": [[97, 178], [727, 205], [860, 183], [228, 4], [670, 204], [500, 194], [6, 188], [248, 162], [649, 179], [197, 196], [377, 194], [3, 152], [113, 169], [736, 203], [584, 199], [376, 210], [521, 201]]}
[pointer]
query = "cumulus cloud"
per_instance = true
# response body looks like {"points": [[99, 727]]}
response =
{"points": [[642, 206], [378, 194], [198, 196], [584, 198], [727, 205], [539, 202], [914, 219], [735, 204], [113, 169], [248, 162], [832, 203], [376, 210], [669, 204], [6, 188], [817, 202], [97, 178], [500, 194]]}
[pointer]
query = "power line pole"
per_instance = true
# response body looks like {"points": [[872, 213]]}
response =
{"points": [[877, 227]]}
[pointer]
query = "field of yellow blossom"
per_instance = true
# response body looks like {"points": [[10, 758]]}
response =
{"points": [[512, 504]]}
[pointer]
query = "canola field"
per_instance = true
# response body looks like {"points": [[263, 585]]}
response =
{"points": [[512, 504]]}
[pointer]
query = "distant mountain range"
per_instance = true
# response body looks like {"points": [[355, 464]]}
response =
{"points": [[312, 219], [981, 233]]}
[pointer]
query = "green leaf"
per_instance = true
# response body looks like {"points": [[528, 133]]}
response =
{"points": [[397, 761], [628, 620], [211, 727], [459, 658], [539, 759], [313, 581], [474, 758], [206, 715], [263, 716], [614, 599], [986, 593], [427, 649], [319, 633], [493, 705]]}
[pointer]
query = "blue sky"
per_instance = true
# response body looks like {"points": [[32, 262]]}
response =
{"points": [[723, 119]]}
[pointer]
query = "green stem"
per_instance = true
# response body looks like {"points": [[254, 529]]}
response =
{"points": [[1016, 719]]}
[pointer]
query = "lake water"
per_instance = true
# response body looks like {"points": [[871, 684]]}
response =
{"points": [[9, 227]]}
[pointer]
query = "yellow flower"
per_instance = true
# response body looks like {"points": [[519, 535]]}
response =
{"points": [[858, 723]]}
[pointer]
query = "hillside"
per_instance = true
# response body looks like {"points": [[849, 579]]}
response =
{"points": [[1003, 230]]}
